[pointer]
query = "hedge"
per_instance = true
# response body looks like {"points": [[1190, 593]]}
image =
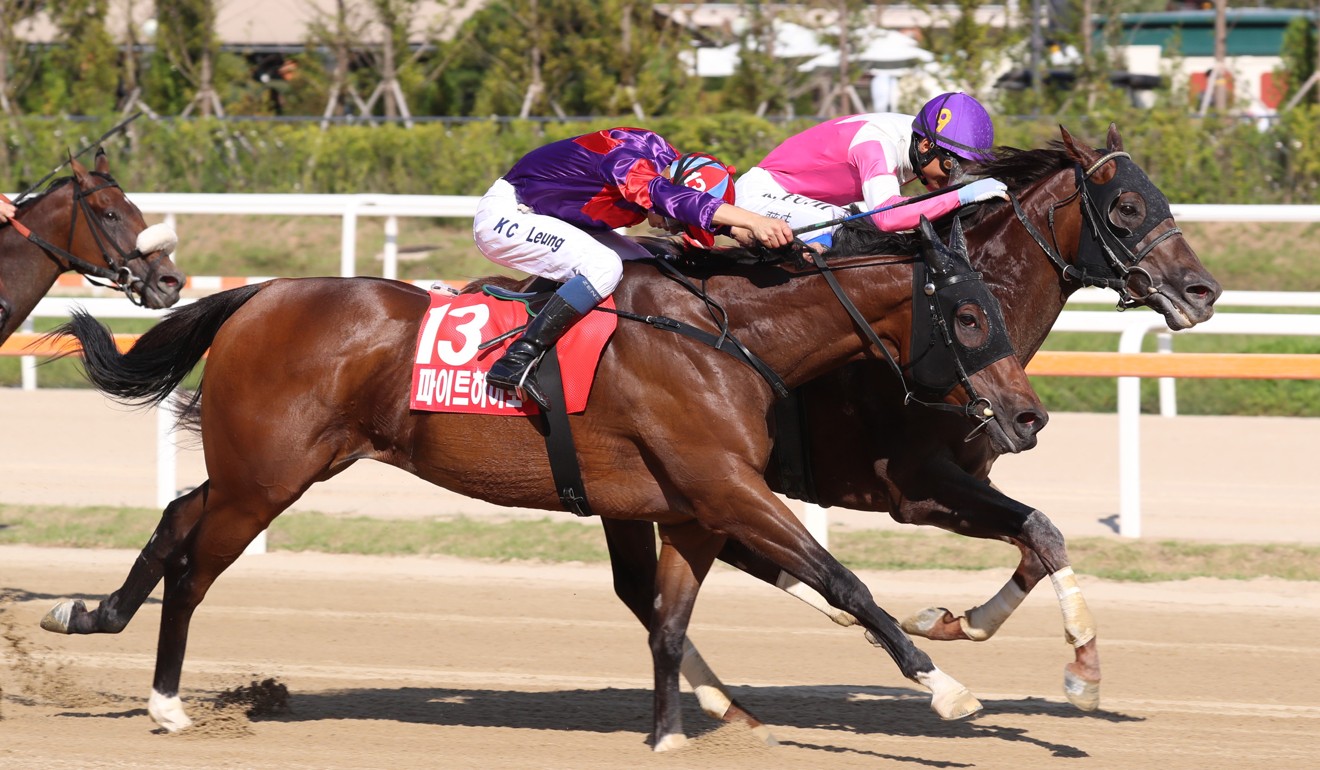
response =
{"points": [[1193, 160]]}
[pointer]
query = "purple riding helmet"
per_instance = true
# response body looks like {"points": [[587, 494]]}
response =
{"points": [[958, 124]]}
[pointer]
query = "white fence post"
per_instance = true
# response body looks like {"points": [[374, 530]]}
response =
{"points": [[390, 269], [167, 468], [817, 521], [27, 365], [1168, 385], [348, 248]]}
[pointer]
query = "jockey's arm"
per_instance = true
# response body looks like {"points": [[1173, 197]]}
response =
{"points": [[748, 224], [880, 187]]}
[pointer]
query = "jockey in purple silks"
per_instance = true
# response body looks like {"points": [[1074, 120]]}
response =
{"points": [[554, 215], [812, 176]]}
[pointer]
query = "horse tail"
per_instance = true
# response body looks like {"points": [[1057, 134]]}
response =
{"points": [[162, 357]]}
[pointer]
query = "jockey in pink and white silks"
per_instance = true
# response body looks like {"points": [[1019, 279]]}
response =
{"points": [[554, 214], [813, 176]]}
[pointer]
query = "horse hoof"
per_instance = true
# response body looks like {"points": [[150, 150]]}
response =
{"points": [[671, 742], [1081, 693], [924, 622], [59, 619], [168, 712], [956, 705]]}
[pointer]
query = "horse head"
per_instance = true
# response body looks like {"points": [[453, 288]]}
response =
{"points": [[953, 306], [1129, 227], [106, 237]]}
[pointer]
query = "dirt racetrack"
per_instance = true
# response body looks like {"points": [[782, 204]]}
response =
{"points": [[438, 663]]}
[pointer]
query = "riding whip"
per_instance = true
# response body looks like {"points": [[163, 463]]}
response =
{"points": [[114, 130], [849, 218]]}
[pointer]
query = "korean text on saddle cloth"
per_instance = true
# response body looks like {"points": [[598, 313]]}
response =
{"points": [[449, 370]]}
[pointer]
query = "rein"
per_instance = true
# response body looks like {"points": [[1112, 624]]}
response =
{"points": [[118, 274], [1105, 260]]}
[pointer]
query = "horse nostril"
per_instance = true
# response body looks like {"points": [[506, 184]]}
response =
{"points": [[1030, 422], [169, 282]]}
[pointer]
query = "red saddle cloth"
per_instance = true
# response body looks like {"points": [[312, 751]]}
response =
{"points": [[449, 372]]}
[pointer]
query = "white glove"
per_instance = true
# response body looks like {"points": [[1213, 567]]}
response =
{"points": [[982, 190]]}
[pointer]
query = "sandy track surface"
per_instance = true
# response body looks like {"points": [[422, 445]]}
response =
{"points": [[412, 662], [403, 663]]}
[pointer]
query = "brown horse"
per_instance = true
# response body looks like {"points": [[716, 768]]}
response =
{"points": [[863, 452], [84, 223], [305, 377]]}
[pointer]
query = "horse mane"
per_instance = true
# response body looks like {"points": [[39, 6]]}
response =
{"points": [[1019, 168], [60, 181]]}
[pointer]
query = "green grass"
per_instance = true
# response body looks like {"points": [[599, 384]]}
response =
{"points": [[557, 540]]}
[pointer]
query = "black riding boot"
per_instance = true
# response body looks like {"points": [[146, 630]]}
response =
{"points": [[515, 368]]}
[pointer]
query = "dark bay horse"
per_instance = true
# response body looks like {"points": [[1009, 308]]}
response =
{"points": [[84, 223], [304, 377], [864, 452]]}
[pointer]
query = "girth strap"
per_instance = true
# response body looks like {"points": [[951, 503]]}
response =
{"points": [[791, 454], [564, 466]]}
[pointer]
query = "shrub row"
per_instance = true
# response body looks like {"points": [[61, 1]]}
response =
{"points": [[1192, 160]]}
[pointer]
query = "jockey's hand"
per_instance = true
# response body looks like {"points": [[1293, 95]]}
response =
{"points": [[7, 211], [762, 229], [770, 231], [662, 222], [982, 190]]}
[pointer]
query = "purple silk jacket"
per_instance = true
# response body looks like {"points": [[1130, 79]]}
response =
{"points": [[608, 179]]}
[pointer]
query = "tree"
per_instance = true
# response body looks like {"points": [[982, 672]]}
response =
{"points": [[1301, 61], [183, 70], [83, 73], [538, 57], [17, 68]]}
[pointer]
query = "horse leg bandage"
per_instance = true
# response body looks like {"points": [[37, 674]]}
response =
{"points": [[796, 588], [981, 623], [1078, 625]]}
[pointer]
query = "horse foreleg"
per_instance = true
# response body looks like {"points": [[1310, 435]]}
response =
{"points": [[631, 547], [786, 542], [982, 621], [1081, 677], [215, 543], [686, 553], [114, 613]]}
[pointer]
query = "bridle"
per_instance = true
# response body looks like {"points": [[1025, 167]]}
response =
{"points": [[1107, 255], [978, 407], [116, 270]]}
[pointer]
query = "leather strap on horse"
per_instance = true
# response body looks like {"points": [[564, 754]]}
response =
{"points": [[791, 454], [564, 466]]}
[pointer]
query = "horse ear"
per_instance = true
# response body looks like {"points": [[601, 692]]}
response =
{"points": [[932, 248], [79, 170], [1114, 141], [958, 241], [102, 162], [1078, 152]]}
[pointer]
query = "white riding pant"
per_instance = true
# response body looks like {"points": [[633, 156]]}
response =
{"points": [[758, 191], [510, 234]]}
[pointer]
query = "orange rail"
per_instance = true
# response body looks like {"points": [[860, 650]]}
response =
{"points": [[1248, 366], [39, 345], [1058, 363]]}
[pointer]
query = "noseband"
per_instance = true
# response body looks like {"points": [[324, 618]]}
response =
{"points": [[1107, 255], [116, 271]]}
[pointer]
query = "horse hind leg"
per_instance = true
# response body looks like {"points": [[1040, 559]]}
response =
{"points": [[631, 547], [113, 614], [686, 554], [228, 525]]}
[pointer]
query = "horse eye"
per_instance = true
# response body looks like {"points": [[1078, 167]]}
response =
{"points": [[1128, 210], [112, 214], [967, 320]]}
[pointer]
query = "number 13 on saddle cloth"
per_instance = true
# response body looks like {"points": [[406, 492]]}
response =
{"points": [[449, 371]]}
